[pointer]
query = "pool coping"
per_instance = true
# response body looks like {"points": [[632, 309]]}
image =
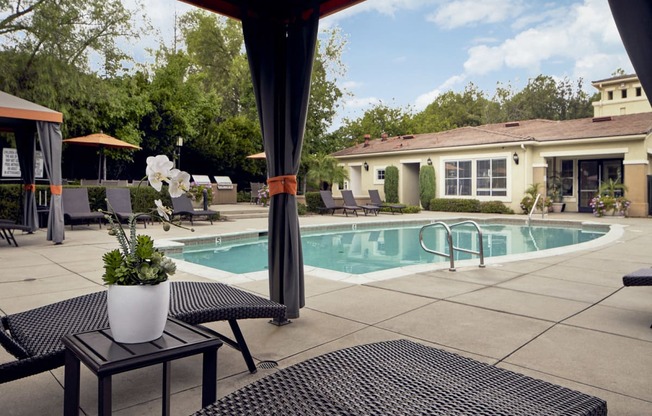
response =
{"points": [[176, 245]]}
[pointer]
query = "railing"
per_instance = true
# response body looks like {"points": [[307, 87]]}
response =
{"points": [[449, 241], [534, 206]]}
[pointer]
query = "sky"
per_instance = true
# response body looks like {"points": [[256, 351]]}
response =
{"points": [[407, 52]]}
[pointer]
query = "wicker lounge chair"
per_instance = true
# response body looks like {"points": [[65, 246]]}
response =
{"points": [[77, 208], [183, 208], [375, 200], [7, 228], [401, 378], [640, 277], [349, 200], [33, 337], [330, 205], [120, 200]]}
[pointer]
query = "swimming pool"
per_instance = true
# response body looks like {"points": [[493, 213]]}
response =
{"points": [[377, 248]]}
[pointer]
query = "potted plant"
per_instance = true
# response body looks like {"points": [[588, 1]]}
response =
{"points": [[137, 273], [554, 190], [196, 195]]}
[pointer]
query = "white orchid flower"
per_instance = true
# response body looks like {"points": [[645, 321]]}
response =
{"points": [[162, 210], [158, 170], [179, 183]]}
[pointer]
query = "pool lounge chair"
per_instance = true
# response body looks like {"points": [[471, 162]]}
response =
{"points": [[77, 208], [33, 337], [349, 200], [401, 377], [374, 196], [640, 277], [183, 208], [7, 228], [330, 205], [120, 200]]}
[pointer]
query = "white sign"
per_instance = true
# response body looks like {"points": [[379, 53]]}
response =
{"points": [[11, 167]]}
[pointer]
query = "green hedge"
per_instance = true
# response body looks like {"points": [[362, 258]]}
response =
{"points": [[302, 209], [313, 201], [391, 184], [469, 205], [427, 185], [11, 197], [454, 205], [494, 207]]}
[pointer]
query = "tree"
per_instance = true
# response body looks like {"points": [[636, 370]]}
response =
{"points": [[427, 185], [324, 171], [452, 110], [377, 120], [391, 184]]}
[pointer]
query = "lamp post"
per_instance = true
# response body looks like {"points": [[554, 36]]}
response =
{"points": [[179, 146]]}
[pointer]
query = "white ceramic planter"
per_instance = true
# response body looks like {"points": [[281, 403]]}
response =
{"points": [[138, 313]]}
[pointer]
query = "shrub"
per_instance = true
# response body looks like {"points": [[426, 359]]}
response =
{"points": [[314, 202], [391, 184], [244, 196], [11, 197], [454, 205], [494, 207], [412, 209], [302, 209], [427, 185]]}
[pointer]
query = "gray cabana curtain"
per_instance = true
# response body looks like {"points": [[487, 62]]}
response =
{"points": [[634, 21], [281, 53], [50, 136], [26, 149]]}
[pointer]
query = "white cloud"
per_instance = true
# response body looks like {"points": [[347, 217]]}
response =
{"points": [[579, 33], [468, 12], [351, 85], [361, 102], [425, 99]]}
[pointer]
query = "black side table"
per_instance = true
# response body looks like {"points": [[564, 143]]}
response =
{"points": [[105, 357]]}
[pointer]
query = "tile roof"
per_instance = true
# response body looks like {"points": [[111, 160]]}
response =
{"points": [[517, 132]]}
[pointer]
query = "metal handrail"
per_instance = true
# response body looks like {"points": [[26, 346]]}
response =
{"points": [[534, 206], [449, 241]]}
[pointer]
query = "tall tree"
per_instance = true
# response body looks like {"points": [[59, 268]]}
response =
{"points": [[379, 119], [451, 110]]}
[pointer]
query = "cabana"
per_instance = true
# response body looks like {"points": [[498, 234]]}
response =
{"points": [[26, 119]]}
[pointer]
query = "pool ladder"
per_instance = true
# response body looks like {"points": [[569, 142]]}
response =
{"points": [[449, 240]]}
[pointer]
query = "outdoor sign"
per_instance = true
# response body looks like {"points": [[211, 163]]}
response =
{"points": [[11, 167]]}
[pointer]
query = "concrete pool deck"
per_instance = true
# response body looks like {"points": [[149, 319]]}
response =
{"points": [[564, 319]]}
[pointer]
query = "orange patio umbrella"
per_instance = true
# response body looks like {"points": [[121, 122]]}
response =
{"points": [[102, 141]]}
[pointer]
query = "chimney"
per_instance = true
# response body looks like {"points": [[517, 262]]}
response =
{"points": [[366, 139], [383, 137]]}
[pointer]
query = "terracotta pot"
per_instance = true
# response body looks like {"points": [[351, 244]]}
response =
{"points": [[138, 313]]}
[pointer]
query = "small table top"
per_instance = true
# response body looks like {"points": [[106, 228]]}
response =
{"points": [[102, 355]]}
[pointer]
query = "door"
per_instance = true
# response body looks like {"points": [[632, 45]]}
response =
{"points": [[594, 172], [589, 183]]}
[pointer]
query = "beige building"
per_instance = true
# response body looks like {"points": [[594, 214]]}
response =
{"points": [[497, 162], [619, 96]]}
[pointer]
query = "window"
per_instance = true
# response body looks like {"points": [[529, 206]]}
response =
{"points": [[610, 95], [380, 174], [623, 94], [567, 176], [458, 177], [639, 92], [491, 177]]}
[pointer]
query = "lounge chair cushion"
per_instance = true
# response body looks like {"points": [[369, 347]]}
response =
{"points": [[34, 336], [183, 207], [401, 378], [640, 277]]}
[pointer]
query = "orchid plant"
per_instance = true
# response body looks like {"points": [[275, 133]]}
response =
{"points": [[138, 262]]}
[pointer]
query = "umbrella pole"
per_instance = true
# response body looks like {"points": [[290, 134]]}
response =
{"points": [[99, 166], [103, 165]]}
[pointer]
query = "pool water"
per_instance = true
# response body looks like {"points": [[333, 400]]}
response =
{"points": [[370, 250]]}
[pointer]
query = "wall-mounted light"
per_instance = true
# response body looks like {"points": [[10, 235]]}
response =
{"points": [[366, 166], [515, 157], [429, 162]]}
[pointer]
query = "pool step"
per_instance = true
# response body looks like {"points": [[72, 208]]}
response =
{"points": [[232, 215]]}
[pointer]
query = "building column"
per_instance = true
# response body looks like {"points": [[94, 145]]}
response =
{"points": [[636, 183]]}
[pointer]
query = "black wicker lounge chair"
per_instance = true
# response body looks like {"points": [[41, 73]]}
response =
{"points": [[640, 277], [120, 200], [7, 228], [33, 337], [349, 200], [330, 205], [77, 208], [183, 208], [401, 378], [374, 196]]}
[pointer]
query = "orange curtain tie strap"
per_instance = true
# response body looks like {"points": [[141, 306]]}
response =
{"points": [[56, 189], [285, 184], [30, 187]]}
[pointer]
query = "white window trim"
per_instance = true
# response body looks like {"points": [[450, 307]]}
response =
{"points": [[441, 178], [375, 170]]}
